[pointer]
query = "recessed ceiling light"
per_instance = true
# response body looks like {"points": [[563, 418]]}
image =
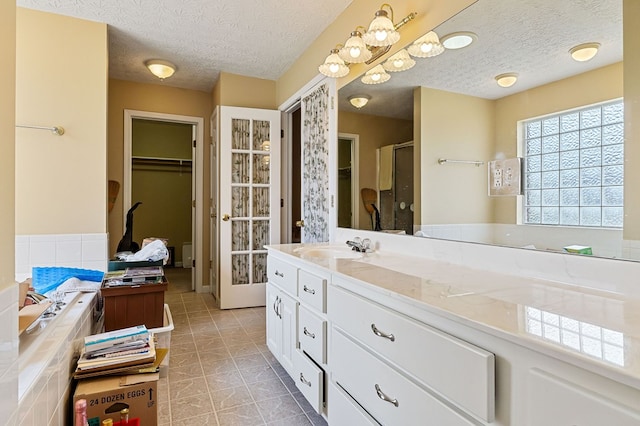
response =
{"points": [[507, 79], [584, 52], [458, 40]]}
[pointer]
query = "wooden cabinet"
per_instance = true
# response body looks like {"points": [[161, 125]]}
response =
{"points": [[128, 306]]}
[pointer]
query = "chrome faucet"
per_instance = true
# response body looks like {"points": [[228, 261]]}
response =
{"points": [[359, 245]]}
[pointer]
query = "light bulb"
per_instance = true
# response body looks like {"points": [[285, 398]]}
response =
{"points": [[381, 35], [334, 68], [354, 52], [426, 47], [375, 77], [398, 63]]}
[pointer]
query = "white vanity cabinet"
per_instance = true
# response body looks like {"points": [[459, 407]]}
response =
{"points": [[282, 312], [397, 367], [370, 346], [297, 324]]}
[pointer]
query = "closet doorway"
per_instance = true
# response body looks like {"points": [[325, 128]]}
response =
{"points": [[163, 171]]}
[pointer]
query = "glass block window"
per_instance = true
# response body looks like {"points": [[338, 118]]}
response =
{"points": [[574, 167]]}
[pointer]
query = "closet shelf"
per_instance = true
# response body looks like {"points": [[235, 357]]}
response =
{"points": [[160, 161]]}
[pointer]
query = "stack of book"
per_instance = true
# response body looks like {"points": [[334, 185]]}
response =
{"points": [[134, 276], [126, 351]]}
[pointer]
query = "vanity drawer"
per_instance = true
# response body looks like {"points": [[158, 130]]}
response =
{"points": [[312, 290], [387, 395], [457, 370], [284, 274], [309, 379], [312, 334], [343, 410]]}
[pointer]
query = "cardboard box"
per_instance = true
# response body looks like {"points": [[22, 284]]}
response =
{"points": [[107, 396]]}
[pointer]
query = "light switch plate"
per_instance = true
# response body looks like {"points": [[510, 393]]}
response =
{"points": [[504, 177]]}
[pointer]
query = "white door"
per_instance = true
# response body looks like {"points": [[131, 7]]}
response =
{"points": [[213, 208], [319, 151], [249, 202]]}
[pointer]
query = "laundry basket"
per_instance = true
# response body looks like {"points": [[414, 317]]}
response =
{"points": [[163, 336]]}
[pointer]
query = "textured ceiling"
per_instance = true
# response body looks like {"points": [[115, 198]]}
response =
{"points": [[531, 38], [202, 37]]}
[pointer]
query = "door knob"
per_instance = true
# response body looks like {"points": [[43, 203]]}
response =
{"points": [[299, 223], [225, 217]]}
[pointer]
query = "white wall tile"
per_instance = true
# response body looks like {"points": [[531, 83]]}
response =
{"points": [[94, 249], [9, 386], [68, 250]]}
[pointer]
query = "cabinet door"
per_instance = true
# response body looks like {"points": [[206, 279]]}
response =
{"points": [[557, 401], [274, 325], [289, 319]]}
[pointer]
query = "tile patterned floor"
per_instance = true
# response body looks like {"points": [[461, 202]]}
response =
{"points": [[220, 370]]}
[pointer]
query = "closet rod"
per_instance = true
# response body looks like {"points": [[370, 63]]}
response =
{"points": [[56, 130], [446, 160]]}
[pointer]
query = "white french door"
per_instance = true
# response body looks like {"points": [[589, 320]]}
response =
{"points": [[249, 206]]}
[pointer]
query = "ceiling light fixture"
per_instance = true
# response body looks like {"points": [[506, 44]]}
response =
{"points": [[359, 101], [375, 75], [458, 40], [334, 66], [161, 69], [400, 61], [365, 46], [584, 52], [426, 46], [382, 31], [355, 50], [507, 79]]}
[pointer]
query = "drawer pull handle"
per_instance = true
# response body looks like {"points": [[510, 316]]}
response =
{"points": [[384, 397], [308, 290], [279, 274], [381, 334], [306, 333], [305, 381]]}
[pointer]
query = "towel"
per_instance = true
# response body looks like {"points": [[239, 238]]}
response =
{"points": [[385, 180]]}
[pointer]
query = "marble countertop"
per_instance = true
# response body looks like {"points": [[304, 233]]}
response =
{"points": [[599, 328]]}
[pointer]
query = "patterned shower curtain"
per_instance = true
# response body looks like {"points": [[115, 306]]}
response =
{"points": [[315, 165]]}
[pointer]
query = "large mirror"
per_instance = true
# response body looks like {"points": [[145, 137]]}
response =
{"points": [[422, 145]]}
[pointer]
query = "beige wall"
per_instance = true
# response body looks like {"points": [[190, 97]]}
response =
{"points": [[374, 132], [631, 120], [431, 13], [7, 142], [153, 98], [457, 127], [237, 90], [599, 85], [61, 81]]}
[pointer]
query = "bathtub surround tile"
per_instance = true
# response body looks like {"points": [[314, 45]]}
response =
{"points": [[87, 251]]}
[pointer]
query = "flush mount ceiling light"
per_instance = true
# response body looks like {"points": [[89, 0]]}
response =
{"points": [[426, 46], [359, 101], [458, 40], [507, 79], [161, 69], [400, 61], [375, 75], [584, 52], [334, 66], [355, 50], [382, 31]]}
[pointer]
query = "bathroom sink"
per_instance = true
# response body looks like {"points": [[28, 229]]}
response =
{"points": [[328, 253]]}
